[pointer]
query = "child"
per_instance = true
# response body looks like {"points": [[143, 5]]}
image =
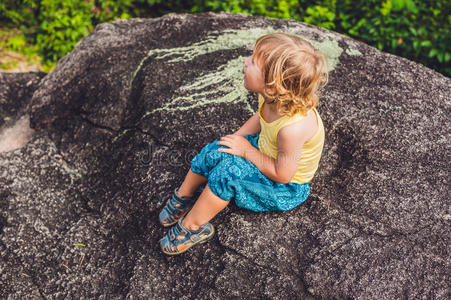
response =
{"points": [[268, 163]]}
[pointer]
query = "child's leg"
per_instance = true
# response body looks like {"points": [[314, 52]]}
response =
{"points": [[190, 184], [206, 207]]}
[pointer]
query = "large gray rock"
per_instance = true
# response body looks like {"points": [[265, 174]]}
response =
{"points": [[130, 106]]}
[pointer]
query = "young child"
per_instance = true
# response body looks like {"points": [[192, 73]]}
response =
{"points": [[268, 163]]}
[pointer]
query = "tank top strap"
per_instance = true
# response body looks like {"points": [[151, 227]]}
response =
{"points": [[287, 121], [260, 101]]}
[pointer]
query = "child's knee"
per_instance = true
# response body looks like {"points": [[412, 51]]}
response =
{"points": [[220, 190]]}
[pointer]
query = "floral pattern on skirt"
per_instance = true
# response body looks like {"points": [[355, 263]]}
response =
{"points": [[233, 177]]}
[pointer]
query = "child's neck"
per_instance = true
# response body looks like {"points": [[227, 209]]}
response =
{"points": [[271, 104], [270, 109]]}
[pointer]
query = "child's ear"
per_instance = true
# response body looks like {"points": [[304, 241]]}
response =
{"points": [[270, 91]]}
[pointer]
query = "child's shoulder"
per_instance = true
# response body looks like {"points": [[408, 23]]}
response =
{"points": [[303, 128]]}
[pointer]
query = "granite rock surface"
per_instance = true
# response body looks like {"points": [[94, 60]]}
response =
{"points": [[16, 91], [119, 119]]}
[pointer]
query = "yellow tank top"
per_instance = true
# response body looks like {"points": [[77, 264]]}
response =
{"points": [[311, 150]]}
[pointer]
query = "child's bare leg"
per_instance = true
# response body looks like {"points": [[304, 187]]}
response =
{"points": [[206, 207], [190, 184]]}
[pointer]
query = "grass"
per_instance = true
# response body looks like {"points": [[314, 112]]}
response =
{"points": [[18, 56]]}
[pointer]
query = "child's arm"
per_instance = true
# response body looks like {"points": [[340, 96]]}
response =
{"points": [[251, 126], [290, 140]]}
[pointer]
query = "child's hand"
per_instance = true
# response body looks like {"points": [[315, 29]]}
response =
{"points": [[237, 144]]}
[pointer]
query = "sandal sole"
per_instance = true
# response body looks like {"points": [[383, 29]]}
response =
{"points": [[205, 239]]}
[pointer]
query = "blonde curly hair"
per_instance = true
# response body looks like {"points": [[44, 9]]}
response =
{"points": [[294, 71]]}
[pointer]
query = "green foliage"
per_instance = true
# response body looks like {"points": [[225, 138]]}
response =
{"points": [[62, 23], [415, 29], [109, 10], [19, 11], [17, 42], [280, 9], [320, 16], [52, 28], [9, 65]]}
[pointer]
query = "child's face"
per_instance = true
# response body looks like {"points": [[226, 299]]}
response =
{"points": [[253, 76]]}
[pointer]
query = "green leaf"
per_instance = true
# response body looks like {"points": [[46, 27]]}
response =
{"points": [[394, 43], [386, 8], [432, 53], [411, 6], [125, 15], [17, 42], [74, 35], [447, 57], [398, 5], [426, 44]]}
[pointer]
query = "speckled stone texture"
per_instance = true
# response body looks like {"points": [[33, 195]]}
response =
{"points": [[16, 90], [119, 120]]}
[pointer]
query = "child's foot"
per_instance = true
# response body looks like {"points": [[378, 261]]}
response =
{"points": [[179, 239], [176, 208]]}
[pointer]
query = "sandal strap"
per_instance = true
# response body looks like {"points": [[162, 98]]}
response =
{"points": [[171, 205]]}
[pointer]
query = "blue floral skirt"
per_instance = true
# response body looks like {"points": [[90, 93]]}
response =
{"points": [[233, 177]]}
